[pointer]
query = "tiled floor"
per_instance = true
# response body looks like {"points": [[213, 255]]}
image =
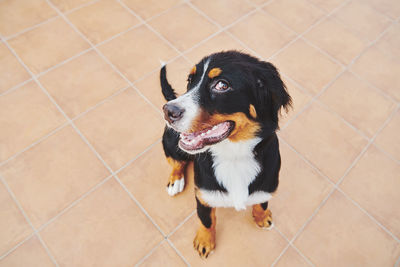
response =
{"points": [[82, 170]]}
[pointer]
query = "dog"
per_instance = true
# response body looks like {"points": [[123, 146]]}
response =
{"points": [[226, 124]]}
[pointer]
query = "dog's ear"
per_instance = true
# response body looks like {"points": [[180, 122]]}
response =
{"points": [[269, 92]]}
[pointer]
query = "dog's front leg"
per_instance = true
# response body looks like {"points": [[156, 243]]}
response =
{"points": [[204, 242], [262, 215], [176, 181]]}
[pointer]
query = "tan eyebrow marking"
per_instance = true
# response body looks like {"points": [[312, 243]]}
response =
{"points": [[214, 72], [193, 70], [252, 111]]}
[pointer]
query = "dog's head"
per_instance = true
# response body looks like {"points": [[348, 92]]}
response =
{"points": [[230, 95]]}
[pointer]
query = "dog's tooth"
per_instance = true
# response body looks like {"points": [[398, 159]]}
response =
{"points": [[215, 127], [209, 131], [203, 134]]}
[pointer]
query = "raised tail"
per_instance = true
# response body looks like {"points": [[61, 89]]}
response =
{"points": [[167, 91]]}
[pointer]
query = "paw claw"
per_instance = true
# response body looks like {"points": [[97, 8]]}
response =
{"points": [[176, 187]]}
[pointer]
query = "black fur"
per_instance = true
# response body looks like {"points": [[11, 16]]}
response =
{"points": [[253, 82], [168, 93], [204, 214]]}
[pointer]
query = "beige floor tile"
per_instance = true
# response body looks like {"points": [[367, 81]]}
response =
{"points": [[380, 70], [337, 40], [389, 138], [359, 17], [299, 100], [11, 71], [307, 66], [262, 33], [295, 200], [183, 27], [239, 242], [387, 7], [348, 236], [374, 183], [31, 253], [324, 140], [218, 43], [390, 42], [217, 10], [164, 255], [82, 83], [288, 12], [177, 73], [51, 175], [13, 226], [47, 45], [67, 5], [148, 185], [26, 114], [291, 258], [149, 8], [94, 20], [137, 52], [17, 15], [354, 100], [327, 5], [104, 229], [258, 2], [121, 128]]}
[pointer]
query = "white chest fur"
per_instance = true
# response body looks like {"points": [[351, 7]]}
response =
{"points": [[235, 168]]}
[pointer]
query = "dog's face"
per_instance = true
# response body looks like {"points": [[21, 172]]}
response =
{"points": [[229, 95]]}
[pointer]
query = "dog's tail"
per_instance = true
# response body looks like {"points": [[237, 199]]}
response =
{"points": [[167, 91]]}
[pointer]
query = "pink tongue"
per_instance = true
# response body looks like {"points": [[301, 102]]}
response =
{"points": [[201, 138]]}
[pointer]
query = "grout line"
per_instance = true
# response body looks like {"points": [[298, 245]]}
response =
{"points": [[16, 246], [34, 143], [74, 203], [386, 153], [72, 124], [178, 252], [397, 264], [181, 223], [116, 93], [30, 28], [287, 247], [355, 203], [15, 87], [138, 204], [218, 32], [48, 20], [149, 253], [47, 249], [28, 221], [64, 62], [138, 156], [79, 7], [336, 185], [280, 255]]}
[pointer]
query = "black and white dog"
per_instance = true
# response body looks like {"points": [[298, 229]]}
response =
{"points": [[226, 124]]}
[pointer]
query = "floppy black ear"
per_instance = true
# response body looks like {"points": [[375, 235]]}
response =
{"points": [[270, 92]]}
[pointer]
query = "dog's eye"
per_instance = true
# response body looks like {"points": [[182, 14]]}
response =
{"points": [[220, 86]]}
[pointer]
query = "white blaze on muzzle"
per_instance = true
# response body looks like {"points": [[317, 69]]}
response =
{"points": [[189, 102]]}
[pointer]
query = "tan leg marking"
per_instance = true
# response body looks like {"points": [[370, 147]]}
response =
{"points": [[204, 241], [176, 181], [263, 218]]}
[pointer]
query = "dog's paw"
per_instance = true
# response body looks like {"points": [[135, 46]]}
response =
{"points": [[176, 186], [264, 221], [204, 242]]}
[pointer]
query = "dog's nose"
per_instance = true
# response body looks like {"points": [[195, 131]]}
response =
{"points": [[172, 113]]}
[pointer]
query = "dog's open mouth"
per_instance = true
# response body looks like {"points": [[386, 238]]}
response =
{"points": [[198, 140]]}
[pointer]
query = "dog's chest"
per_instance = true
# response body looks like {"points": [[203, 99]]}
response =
{"points": [[235, 168]]}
